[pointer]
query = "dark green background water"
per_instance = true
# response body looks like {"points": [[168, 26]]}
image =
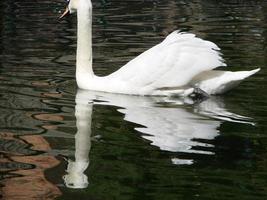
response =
{"points": [[141, 148]]}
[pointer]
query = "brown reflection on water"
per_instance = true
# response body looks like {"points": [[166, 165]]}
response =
{"points": [[29, 184]]}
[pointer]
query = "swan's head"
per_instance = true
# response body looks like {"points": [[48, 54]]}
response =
{"points": [[73, 6]]}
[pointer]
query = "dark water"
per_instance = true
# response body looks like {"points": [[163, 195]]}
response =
{"points": [[59, 142]]}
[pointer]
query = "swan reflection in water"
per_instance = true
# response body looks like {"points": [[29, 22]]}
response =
{"points": [[172, 128]]}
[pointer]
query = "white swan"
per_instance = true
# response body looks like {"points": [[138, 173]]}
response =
{"points": [[179, 65]]}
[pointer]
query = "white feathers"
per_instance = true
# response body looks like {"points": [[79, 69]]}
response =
{"points": [[172, 63], [220, 82]]}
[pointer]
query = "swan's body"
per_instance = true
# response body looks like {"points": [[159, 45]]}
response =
{"points": [[176, 66]]}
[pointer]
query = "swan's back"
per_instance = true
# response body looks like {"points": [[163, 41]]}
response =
{"points": [[172, 63]]}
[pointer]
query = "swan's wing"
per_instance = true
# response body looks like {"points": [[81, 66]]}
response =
{"points": [[172, 63]]}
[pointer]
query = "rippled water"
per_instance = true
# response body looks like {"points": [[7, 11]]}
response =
{"points": [[59, 142]]}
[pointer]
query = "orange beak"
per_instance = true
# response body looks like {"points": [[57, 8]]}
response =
{"points": [[66, 12]]}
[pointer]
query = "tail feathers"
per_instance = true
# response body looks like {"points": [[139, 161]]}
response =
{"points": [[225, 82], [208, 82], [243, 74]]}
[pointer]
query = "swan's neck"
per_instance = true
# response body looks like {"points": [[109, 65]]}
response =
{"points": [[75, 177], [84, 42]]}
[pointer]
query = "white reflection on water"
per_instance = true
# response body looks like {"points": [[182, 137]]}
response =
{"points": [[171, 128]]}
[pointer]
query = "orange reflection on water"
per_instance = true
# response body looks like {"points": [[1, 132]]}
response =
{"points": [[30, 183]]}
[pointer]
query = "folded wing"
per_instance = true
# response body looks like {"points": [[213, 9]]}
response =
{"points": [[172, 63]]}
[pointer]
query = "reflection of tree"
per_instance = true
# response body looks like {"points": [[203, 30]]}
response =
{"points": [[24, 40], [24, 171]]}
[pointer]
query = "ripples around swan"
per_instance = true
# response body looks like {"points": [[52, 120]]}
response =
{"points": [[60, 142]]}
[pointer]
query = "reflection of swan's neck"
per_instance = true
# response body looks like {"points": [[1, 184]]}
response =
{"points": [[84, 41], [75, 177]]}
